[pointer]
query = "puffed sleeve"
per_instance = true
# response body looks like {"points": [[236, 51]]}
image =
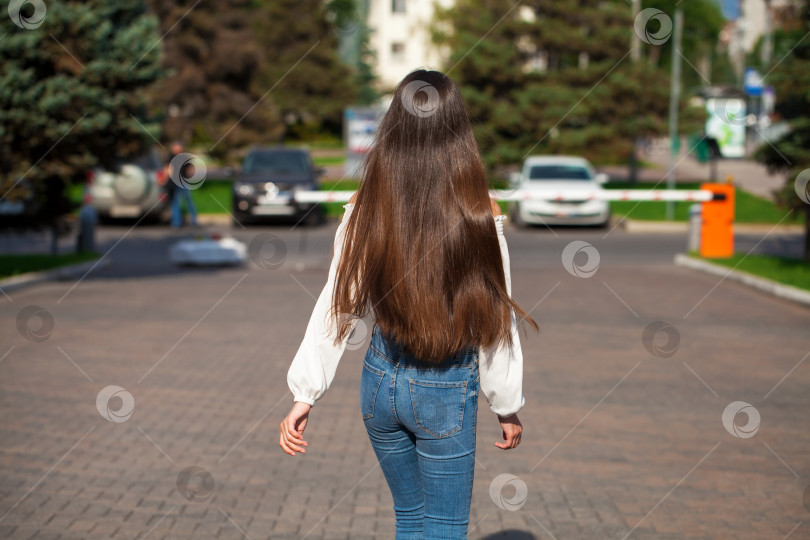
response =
{"points": [[501, 366], [316, 361]]}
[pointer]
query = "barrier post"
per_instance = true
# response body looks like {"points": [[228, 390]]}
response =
{"points": [[717, 231], [695, 221]]}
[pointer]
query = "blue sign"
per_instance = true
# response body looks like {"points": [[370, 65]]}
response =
{"points": [[752, 82]]}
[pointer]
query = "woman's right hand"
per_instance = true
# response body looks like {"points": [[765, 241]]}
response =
{"points": [[512, 430], [291, 438]]}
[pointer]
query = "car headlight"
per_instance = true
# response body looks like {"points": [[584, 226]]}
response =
{"points": [[245, 190]]}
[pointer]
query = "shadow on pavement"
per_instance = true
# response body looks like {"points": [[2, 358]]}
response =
{"points": [[148, 257], [511, 534]]}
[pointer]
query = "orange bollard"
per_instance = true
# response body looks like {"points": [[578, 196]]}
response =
{"points": [[717, 229]]}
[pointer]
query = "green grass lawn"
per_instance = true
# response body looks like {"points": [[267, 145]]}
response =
{"points": [[325, 144], [75, 192], [792, 272], [213, 196], [749, 207], [335, 209], [346, 184], [13, 265], [323, 161]]}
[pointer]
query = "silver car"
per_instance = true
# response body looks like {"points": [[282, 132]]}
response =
{"points": [[137, 189], [573, 175]]}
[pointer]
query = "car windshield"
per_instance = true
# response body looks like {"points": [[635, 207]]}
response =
{"points": [[559, 172], [276, 163]]}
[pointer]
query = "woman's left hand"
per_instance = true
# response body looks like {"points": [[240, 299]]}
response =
{"points": [[292, 428], [495, 207]]}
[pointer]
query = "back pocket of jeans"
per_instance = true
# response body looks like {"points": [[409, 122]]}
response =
{"points": [[369, 386], [438, 407]]}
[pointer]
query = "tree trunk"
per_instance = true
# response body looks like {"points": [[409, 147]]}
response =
{"points": [[54, 238], [53, 209], [634, 163], [655, 55], [807, 233]]}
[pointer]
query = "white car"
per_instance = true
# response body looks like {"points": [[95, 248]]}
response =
{"points": [[564, 174], [212, 250], [136, 188]]}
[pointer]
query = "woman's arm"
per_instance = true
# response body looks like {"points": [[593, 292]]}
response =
{"points": [[501, 366], [316, 361], [314, 365]]}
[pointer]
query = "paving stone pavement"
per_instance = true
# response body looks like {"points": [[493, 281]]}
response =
{"points": [[621, 440]]}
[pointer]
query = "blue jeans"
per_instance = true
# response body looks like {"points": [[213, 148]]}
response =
{"points": [[421, 421], [177, 212]]}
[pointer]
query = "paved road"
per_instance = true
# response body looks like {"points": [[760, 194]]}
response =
{"points": [[624, 433]]}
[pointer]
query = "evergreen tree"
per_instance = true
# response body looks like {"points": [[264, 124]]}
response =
{"points": [[790, 77], [72, 95], [555, 76], [703, 21], [349, 17]]}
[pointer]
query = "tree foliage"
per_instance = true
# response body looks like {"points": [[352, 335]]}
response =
{"points": [[73, 95], [301, 62], [790, 77], [702, 22], [212, 56], [246, 72], [350, 20], [555, 76]]}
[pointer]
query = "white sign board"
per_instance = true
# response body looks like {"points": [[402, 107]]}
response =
{"points": [[726, 124], [359, 127]]}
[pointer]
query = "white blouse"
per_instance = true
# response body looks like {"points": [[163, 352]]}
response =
{"points": [[500, 366]]}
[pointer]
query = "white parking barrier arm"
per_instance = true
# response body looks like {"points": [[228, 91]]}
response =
{"points": [[603, 195], [546, 195], [322, 196]]}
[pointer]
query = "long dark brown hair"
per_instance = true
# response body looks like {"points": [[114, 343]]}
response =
{"points": [[421, 249]]}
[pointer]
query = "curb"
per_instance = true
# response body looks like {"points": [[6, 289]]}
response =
{"points": [[635, 225], [214, 219], [765, 228], [219, 220], [787, 292], [62, 273]]}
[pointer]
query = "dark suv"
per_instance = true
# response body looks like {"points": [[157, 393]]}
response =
{"points": [[266, 184]]}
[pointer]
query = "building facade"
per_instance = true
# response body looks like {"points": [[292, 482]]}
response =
{"points": [[399, 35], [750, 21]]}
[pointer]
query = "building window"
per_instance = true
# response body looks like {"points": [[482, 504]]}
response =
{"points": [[397, 6], [398, 52]]}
